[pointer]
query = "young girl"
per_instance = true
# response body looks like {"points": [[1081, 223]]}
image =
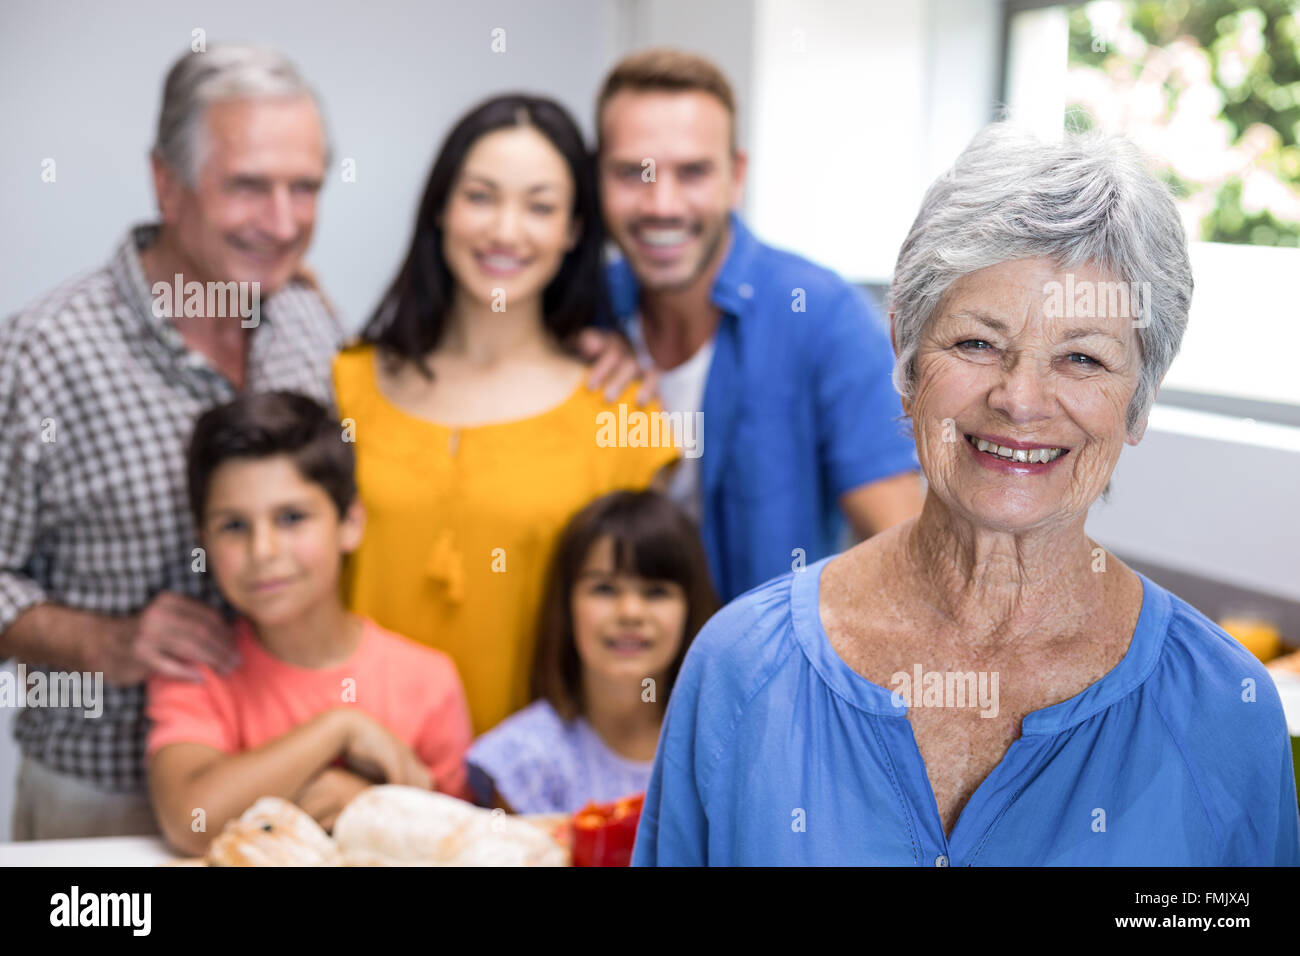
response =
{"points": [[627, 592]]}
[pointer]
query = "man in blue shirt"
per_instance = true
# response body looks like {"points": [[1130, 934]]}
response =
{"points": [[784, 364]]}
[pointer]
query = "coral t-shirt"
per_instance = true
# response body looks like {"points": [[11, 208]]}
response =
{"points": [[412, 690]]}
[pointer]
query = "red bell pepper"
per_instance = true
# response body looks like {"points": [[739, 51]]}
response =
{"points": [[603, 834]]}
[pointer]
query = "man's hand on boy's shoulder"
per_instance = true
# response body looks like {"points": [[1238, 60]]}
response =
{"points": [[325, 796], [170, 637]]}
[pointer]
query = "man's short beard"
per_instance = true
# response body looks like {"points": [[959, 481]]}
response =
{"points": [[706, 260]]}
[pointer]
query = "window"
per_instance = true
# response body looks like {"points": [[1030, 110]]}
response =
{"points": [[1210, 91]]}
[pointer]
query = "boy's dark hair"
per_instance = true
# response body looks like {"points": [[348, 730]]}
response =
{"points": [[271, 423], [653, 539]]}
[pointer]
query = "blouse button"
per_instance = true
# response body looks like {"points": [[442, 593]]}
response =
{"points": [[940, 860]]}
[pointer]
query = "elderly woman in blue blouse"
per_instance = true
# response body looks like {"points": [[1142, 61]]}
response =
{"points": [[984, 684]]}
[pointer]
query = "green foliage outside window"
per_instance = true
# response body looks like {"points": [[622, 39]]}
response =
{"points": [[1210, 90]]}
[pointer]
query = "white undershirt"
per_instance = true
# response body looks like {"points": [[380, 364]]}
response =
{"points": [[681, 389]]}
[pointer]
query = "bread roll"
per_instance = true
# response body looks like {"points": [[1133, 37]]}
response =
{"points": [[273, 832], [385, 826], [401, 826], [391, 824]]}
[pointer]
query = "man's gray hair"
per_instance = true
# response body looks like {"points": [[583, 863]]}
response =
{"points": [[223, 72], [1087, 199]]}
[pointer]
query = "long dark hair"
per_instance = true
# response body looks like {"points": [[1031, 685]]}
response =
{"points": [[653, 539], [411, 316]]}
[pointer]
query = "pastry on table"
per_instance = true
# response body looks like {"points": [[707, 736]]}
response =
{"points": [[385, 825], [393, 825], [273, 832]]}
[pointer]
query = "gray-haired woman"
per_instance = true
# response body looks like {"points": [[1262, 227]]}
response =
{"points": [[985, 684]]}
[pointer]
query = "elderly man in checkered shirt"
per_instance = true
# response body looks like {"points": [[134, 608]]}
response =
{"points": [[100, 382]]}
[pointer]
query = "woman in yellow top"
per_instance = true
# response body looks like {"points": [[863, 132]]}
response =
{"points": [[476, 437]]}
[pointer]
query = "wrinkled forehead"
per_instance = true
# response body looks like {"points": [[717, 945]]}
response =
{"points": [[1040, 296], [281, 134]]}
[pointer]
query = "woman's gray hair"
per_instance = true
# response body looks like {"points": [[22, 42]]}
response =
{"points": [[223, 72], [1011, 195]]}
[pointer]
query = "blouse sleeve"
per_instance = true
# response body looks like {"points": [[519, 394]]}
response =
{"points": [[674, 830]]}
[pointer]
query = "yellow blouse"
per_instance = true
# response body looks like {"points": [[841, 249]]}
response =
{"points": [[461, 523]]}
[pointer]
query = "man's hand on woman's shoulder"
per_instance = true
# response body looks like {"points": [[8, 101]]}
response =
{"points": [[613, 365]]}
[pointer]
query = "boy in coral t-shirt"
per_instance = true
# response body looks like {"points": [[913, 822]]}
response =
{"points": [[322, 702]]}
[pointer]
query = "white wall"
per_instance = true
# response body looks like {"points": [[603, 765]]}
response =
{"points": [[863, 105], [961, 78]]}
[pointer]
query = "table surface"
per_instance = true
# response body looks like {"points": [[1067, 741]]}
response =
{"points": [[96, 851], [137, 850]]}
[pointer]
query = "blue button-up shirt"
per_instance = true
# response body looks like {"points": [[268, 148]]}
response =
{"points": [[775, 752], [798, 409]]}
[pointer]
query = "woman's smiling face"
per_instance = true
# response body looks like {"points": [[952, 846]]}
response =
{"points": [[1005, 361], [507, 225]]}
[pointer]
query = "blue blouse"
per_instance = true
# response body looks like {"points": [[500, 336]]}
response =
{"points": [[775, 752]]}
